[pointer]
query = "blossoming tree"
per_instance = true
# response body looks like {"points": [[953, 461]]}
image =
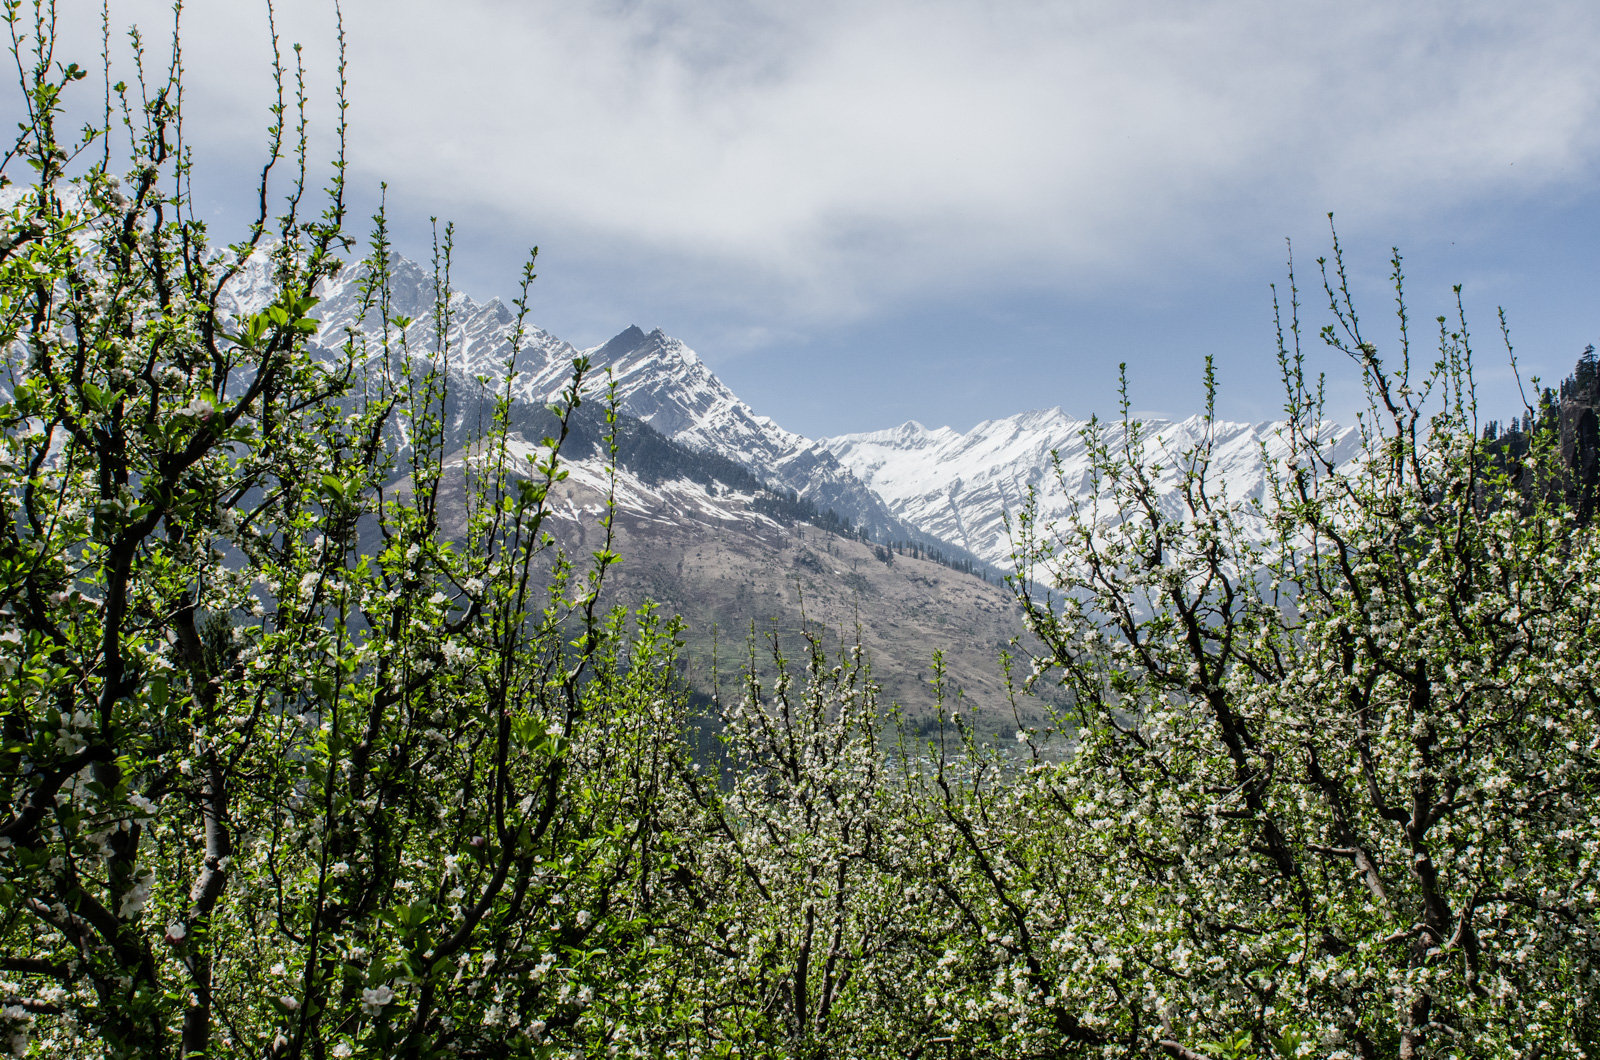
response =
{"points": [[1343, 782], [284, 771]]}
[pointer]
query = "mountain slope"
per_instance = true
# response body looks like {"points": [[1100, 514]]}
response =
{"points": [[737, 566], [732, 572]]}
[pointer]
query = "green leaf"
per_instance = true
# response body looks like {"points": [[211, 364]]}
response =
{"points": [[96, 398]]}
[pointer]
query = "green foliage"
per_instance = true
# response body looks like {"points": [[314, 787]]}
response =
{"points": [[314, 744], [284, 772]]}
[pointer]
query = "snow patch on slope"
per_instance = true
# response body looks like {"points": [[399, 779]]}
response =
{"points": [[667, 503]]}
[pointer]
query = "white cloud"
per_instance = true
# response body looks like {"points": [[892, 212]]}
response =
{"points": [[848, 153]]}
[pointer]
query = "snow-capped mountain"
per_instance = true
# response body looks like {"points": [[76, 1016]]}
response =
{"points": [[659, 380], [664, 383], [962, 487], [940, 487]]}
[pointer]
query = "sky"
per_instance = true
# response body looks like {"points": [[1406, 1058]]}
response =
{"points": [[864, 212]]}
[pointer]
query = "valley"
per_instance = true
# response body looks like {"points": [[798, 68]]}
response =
{"points": [[750, 531]]}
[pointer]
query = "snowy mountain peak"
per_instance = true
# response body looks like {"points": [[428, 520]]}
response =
{"points": [[658, 378], [629, 338], [1051, 420], [909, 435], [664, 383], [961, 487]]}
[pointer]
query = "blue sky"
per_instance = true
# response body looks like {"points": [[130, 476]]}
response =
{"points": [[866, 212]]}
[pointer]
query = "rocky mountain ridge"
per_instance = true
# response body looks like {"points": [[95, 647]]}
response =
{"points": [[659, 381], [939, 487]]}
